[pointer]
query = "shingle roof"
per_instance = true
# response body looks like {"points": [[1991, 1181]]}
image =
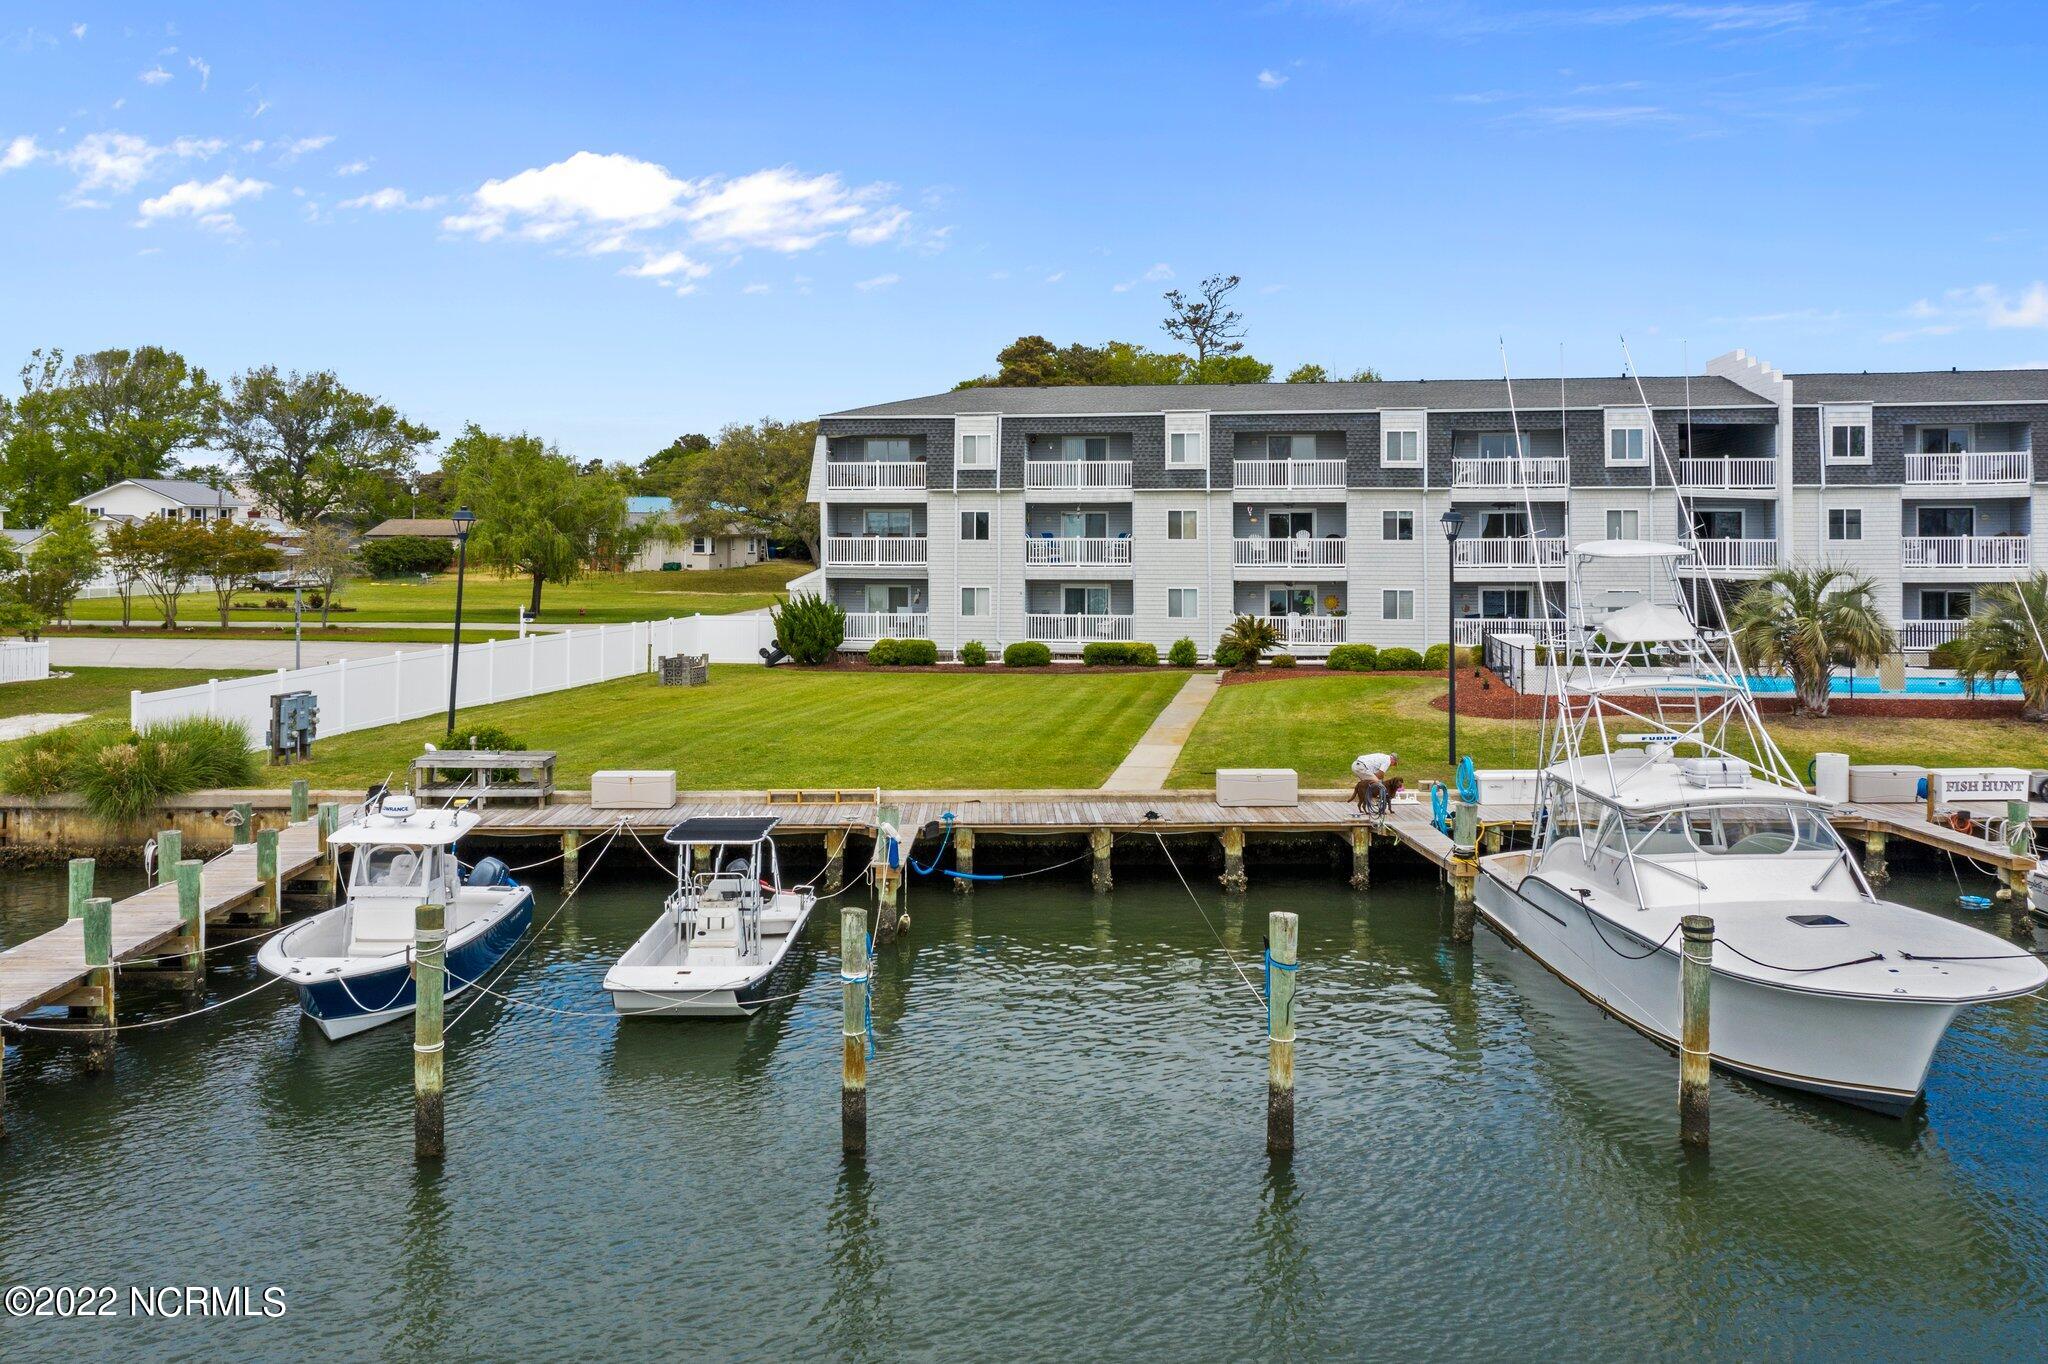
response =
{"points": [[433, 528], [1438, 394], [650, 506], [188, 491], [1924, 386]]}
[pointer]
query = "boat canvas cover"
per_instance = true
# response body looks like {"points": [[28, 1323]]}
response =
{"points": [[1648, 623], [428, 829], [728, 829], [1631, 549]]}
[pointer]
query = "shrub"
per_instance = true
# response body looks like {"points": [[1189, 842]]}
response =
{"points": [[1248, 638], [40, 765], [1354, 658], [1281, 660], [1398, 659], [217, 751], [882, 653], [809, 628], [974, 654], [903, 653], [1109, 653], [491, 739], [1027, 653], [1228, 655], [122, 775], [408, 554], [1182, 654], [1948, 654]]}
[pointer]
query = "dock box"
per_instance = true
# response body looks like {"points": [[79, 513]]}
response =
{"points": [[1977, 788], [1885, 785], [1246, 786], [626, 790]]}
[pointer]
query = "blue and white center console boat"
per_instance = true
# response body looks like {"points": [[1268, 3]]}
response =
{"points": [[352, 965]]}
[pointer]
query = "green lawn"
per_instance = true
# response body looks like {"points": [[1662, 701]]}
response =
{"points": [[101, 692], [753, 728], [489, 598], [1317, 725]]}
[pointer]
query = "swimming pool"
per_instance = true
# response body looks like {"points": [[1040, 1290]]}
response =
{"points": [[1932, 684]]}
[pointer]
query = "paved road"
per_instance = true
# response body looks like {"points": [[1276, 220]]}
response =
{"points": [[70, 651]]}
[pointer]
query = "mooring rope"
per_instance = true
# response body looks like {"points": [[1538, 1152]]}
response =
{"points": [[1228, 954], [75, 1029]]}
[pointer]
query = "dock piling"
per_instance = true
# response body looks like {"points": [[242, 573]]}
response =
{"points": [[963, 860], [192, 916], [835, 859], [302, 794], [80, 887], [854, 968], [243, 818], [1361, 857], [1874, 868], [1233, 877], [330, 820], [98, 926], [888, 869], [1283, 932], [428, 1111], [170, 848], [1695, 1050], [1464, 867], [269, 908], [572, 847], [1100, 841]]}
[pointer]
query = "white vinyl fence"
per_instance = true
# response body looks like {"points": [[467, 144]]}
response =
{"points": [[366, 693], [24, 660]]}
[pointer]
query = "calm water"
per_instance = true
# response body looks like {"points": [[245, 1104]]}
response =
{"points": [[1067, 1123]]}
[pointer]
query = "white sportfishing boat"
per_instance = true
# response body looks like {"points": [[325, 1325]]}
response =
{"points": [[1663, 796], [722, 931], [352, 965]]}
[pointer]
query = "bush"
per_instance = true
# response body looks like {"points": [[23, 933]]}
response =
{"points": [[491, 739], [1945, 655], [809, 628], [1354, 658], [40, 765], [1228, 655], [1398, 659], [1027, 653], [903, 653], [974, 654], [1247, 639], [1109, 653], [406, 555], [1281, 660], [882, 653], [123, 775], [1182, 654], [217, 750]]}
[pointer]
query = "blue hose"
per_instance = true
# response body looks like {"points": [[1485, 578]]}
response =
{"points": [[1440, 806], [1468, 778], [944, 839]]}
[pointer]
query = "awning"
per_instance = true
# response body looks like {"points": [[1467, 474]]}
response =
{"points": [[734, 829]]}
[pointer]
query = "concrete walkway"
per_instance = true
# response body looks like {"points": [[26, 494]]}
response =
{"points": [[1146, 766]]}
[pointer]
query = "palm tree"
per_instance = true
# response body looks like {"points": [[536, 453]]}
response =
{"points": [[1806, 619], [2005, 635], [1251, 637]]}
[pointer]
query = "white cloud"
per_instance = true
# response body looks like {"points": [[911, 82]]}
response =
{"points": [[261, 105], [389, 198], [586, 190], [206, 202], [205, 71], [782, 210], [298, 147], [758, 289], [156, 75], [1159, 273], [78, 31], [1984, 305], [18, 152], [2028, 309], [881, 227], [353, 167], [118, 162], [999, 274], [1271, 80], [868, 286], [1055, 277], [667, 265]]}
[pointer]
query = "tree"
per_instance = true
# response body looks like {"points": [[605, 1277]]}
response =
{"points": [[60, 563], [125, 553], [167, 555], [308, 447], [1308, 374], [1206, 321], [666, 467], [2006, 634], [327, 559], [1231, 369], [1804, 621], [537, 514], [757, 477], [1247, 639], [236, 555]]}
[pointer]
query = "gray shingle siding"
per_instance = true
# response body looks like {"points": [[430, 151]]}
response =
{"points": [[931, 441], [1924, 386], [1141, 440], [1353, 437], [1888, 438]]}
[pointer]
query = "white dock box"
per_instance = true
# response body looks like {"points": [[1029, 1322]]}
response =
{"points": [[1243, 786], [1977, 788], [1877, 784], [624, 790]]}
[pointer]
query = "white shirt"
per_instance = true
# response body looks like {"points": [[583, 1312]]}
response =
{"points": [[1371, 765]]}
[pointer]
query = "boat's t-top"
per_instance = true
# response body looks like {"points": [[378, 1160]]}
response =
{"points": [[403, 854], [741, 871]]}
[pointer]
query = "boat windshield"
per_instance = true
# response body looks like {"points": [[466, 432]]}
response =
{"points": [[1758, 830], [391, 864]]}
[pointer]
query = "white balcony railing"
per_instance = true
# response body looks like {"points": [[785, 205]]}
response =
{"points": [[869, 626], [1927, 634], [1545, 551], [1731, 553], [1064, 629], [1474, 629], [1976, 466], [874, 550], [1076, 474], [1318, 632], [1073, 551], [875, 474], [1748, 472], [1301, 553], [1965, 551], [1288, 475], [1537, 471]]}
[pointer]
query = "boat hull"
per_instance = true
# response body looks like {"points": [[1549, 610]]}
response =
{"points": [[1865, 1050], [740, 1002], [342, 1006]]}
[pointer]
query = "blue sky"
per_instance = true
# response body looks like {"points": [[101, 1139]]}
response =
{"points": [[612, 224]]}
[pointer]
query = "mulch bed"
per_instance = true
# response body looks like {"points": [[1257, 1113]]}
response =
{"points": [[1237, 677], [857, 663], [1489, 698]]}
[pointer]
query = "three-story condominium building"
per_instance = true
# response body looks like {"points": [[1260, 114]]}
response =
{"points": [[1154, 513]]}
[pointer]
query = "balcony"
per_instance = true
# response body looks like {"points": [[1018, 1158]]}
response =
{"points": [[1298, 553], [1077, 475], [889, 475], [874, 551], [1474, 629], [1309, 632], [1964, 551], [869, 626], [1073, 551], [1065, 629], [1974, 468], [1737, 474], [1733, 553], [1545, 551], [1927, 634], [1535, 471], [1288, 475]]}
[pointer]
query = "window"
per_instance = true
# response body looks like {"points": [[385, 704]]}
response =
{"points": [[1504, 525], [702, 544], [1291, 525], [1397, 604], [1624, 525], [1845, 523], [391, 864], [1183, 603], [1076, 525], [1290, 601], [1091, 448], [1400, 447], [1758, 830], [1846, 434], [1085, 600], [1502, 445], [894, 521], [1944, 440], [1182, 525], [1184, 449], [1625, 446], [893, 449], [887, 598], [977, 451], [1944, 604], [1717, 523], [974, 525], [1504, 603], [1397, 525], [1954, 523], [974, 603]]}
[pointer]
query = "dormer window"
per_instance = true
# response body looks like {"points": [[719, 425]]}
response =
{"points": [[1845, 434], [1628, 437]]}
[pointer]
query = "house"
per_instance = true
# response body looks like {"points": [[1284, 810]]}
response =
{"points": [[1154, 513], [178, 499], [412, 527], [732, 547]]}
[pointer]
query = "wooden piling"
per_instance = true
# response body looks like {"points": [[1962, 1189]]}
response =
{"points": [[268, 907], [244, 820], [1283, 936], [854, 967], [572, 847], [330, 820], [187, 872], [302, 794], [1464, 867], [963, 860], [428, 1112], [1361, 857], [1695, 1052], [888, 881], [835, 859], [888, 878], [1875, 869], [80, 887], [170, 847], [1233, 877], [98, 925], [1100, 841]]}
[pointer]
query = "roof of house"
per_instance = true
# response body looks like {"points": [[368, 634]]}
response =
{"points": [[398, 527], [649, 506], [23, 537], [1924, 386], [184, 491]]}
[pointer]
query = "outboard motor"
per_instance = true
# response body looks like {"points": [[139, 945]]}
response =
{"points": [[774, 654], [489, 871]]}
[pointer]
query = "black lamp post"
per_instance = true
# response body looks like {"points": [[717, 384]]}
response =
{"points": [[464, 519], [1453, 521]]}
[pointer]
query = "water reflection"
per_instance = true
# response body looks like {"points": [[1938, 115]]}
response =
{"points": [[858, 1317], [1284, 1276]]}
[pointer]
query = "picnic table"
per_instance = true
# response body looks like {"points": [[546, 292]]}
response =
{"points": [[480, 773]]}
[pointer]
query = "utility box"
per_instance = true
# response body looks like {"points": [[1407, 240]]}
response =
{"points": [[631, 790], [294, 719], [1252, 786], [1879, 784]]}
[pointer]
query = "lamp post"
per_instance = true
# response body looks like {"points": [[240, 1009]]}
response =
{"points": [[1453, 521], [464, 519]]}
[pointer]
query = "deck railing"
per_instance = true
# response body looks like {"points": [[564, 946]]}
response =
{"points": [[1057, 475], [1965, 551], [1536, 471], [1474, 629], [1732, 553], [1069, 629], [1545, 551], [1288, 475], [1254, 552], [1927, 634], [1748, 472], [874, 550], [875, 474], [1316, 632], [1073, 551], [1975, 466], [869, 626]]}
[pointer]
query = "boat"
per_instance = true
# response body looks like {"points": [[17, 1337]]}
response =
{"points": [[352, 965], [1664, 796], [722, 931]]}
